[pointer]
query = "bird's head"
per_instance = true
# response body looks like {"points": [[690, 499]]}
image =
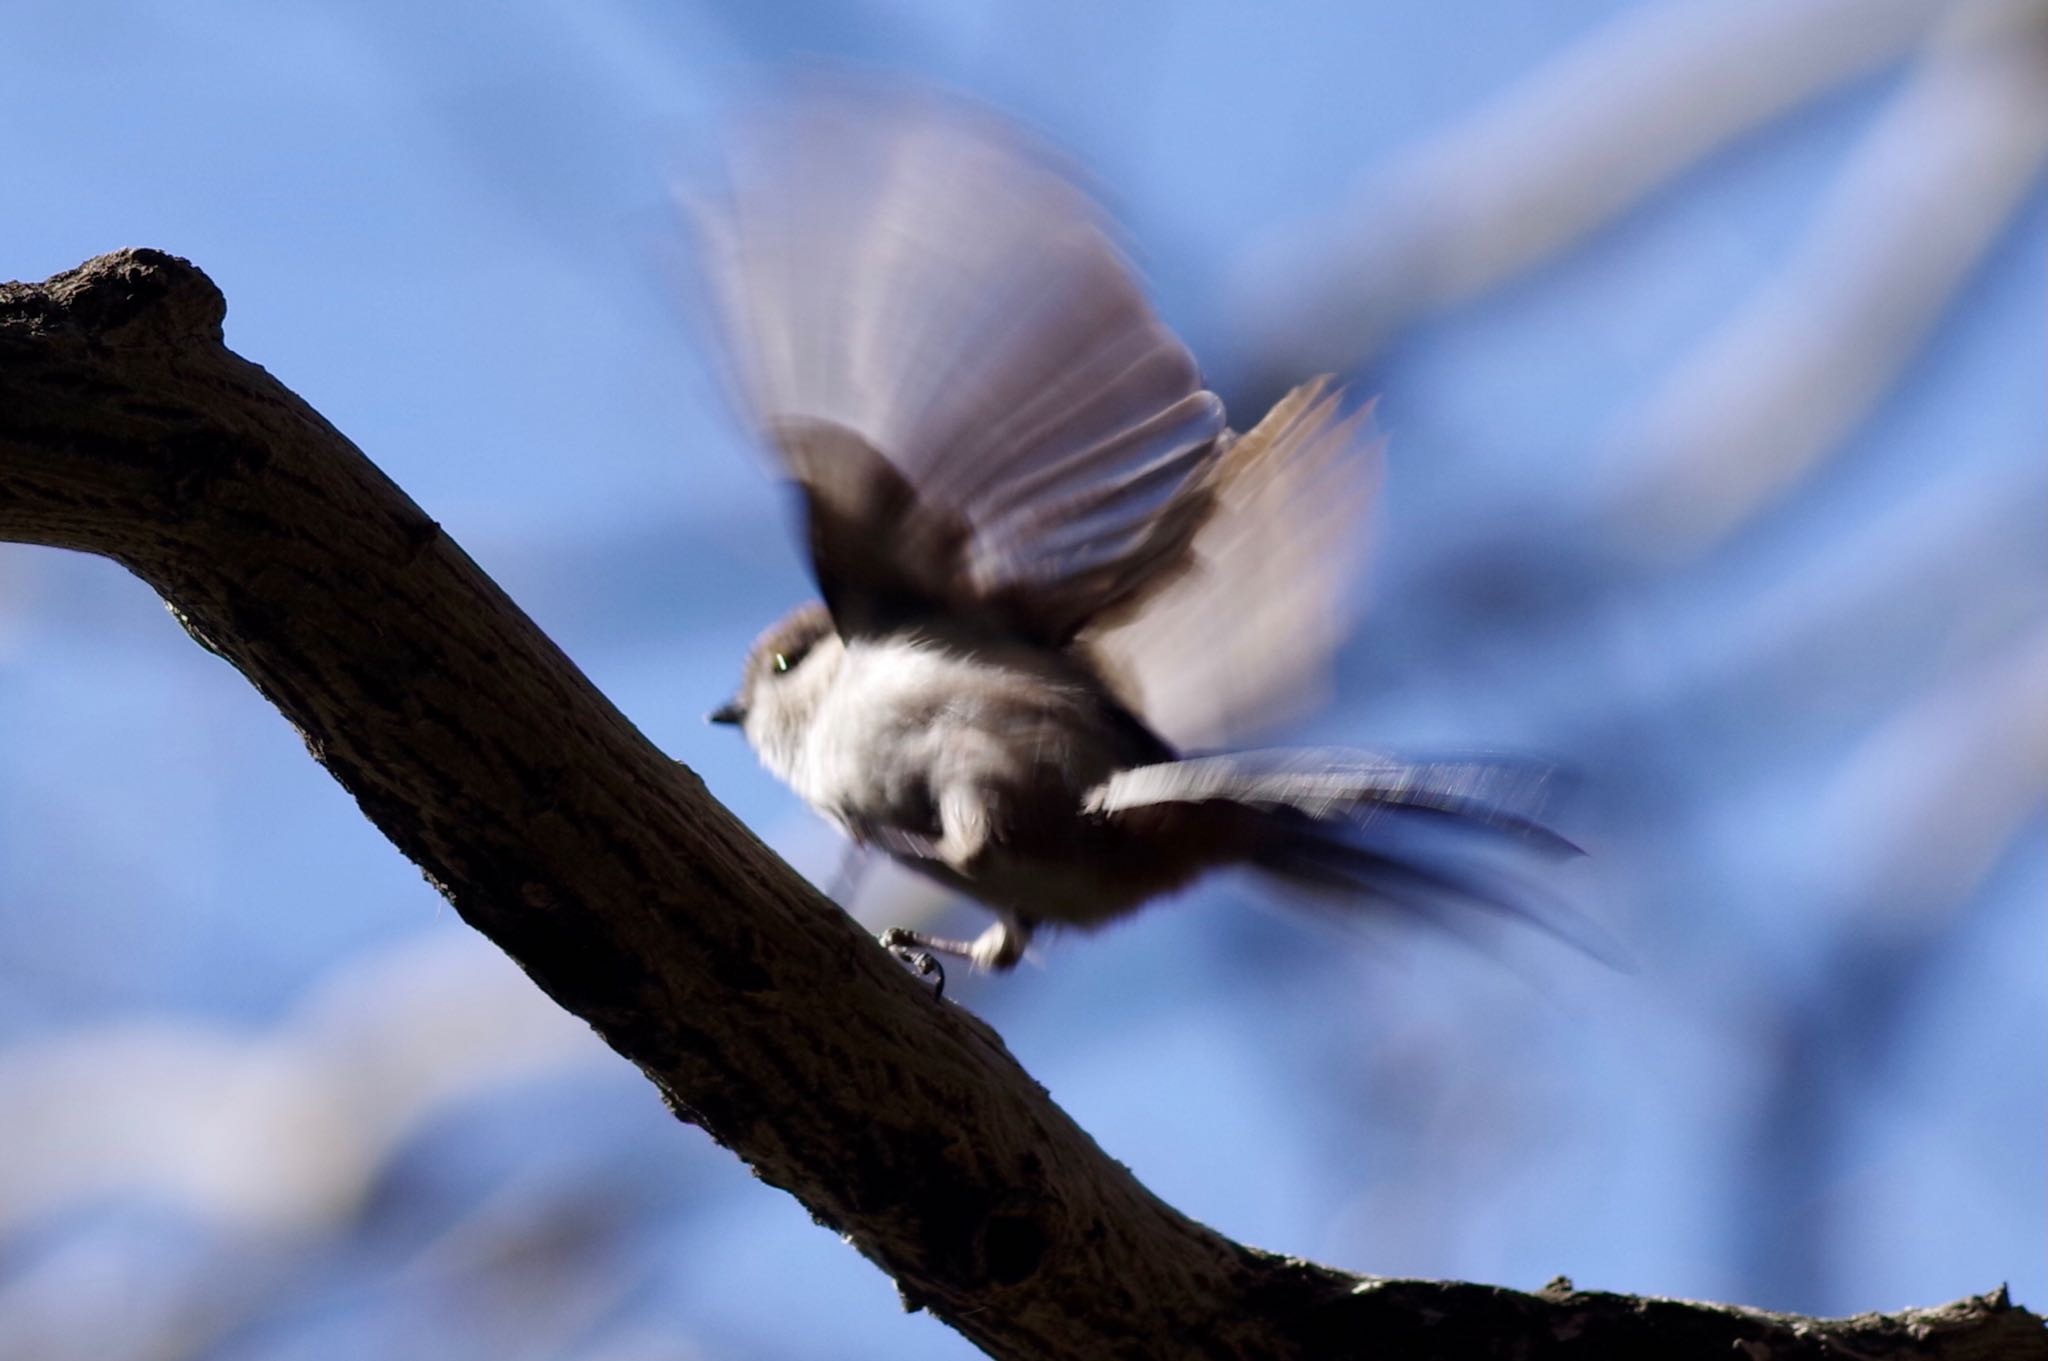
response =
{"points": [[787, 673]]}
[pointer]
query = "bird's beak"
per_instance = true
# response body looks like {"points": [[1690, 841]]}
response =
{"points": [[728, 712]]}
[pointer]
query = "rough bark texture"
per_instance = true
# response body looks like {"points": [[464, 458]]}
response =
{"points": [[761, 1012]]}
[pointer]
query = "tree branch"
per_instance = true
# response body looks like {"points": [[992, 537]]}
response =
{"points": [[637, 902]]}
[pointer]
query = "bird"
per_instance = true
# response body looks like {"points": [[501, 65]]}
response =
{"points": [[1053, 581]]}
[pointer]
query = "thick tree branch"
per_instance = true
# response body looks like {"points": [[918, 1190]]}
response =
{"points": [[760, 1011]]}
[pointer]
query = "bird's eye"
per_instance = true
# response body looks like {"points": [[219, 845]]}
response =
{"points": [[785, 662]]}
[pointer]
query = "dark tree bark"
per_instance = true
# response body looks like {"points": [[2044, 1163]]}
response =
{"points": [[626, 892]]}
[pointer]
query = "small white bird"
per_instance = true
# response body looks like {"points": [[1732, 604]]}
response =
{"points": [[1041, 552]]}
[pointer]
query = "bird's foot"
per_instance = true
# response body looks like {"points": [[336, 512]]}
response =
{"points": [[995, 950], [920, 954]]}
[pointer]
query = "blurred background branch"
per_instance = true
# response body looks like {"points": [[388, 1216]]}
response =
{"points": [[1583, 138], [1807, 358]]}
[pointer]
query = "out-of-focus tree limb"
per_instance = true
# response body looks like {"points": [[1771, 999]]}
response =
{"points": [[638, 903], [1920, 202], [281, 1131], [1615, 117]]}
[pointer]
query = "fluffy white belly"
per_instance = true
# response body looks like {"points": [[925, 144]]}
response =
{"points": [[903, 720]]}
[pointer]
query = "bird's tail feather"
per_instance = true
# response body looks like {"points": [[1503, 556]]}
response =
{"points": [[1404, 862], [1501, 796], [1360, 829]]}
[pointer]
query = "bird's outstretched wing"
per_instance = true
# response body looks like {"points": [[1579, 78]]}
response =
{"points": [[931, 323], [1243, 638]]}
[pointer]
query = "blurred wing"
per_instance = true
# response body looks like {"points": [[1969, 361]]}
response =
{"points": [[909, 280], [883, 558], [1244, 638]]}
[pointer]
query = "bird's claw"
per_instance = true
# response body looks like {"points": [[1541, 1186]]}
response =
{"points": [[908, 947]]}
